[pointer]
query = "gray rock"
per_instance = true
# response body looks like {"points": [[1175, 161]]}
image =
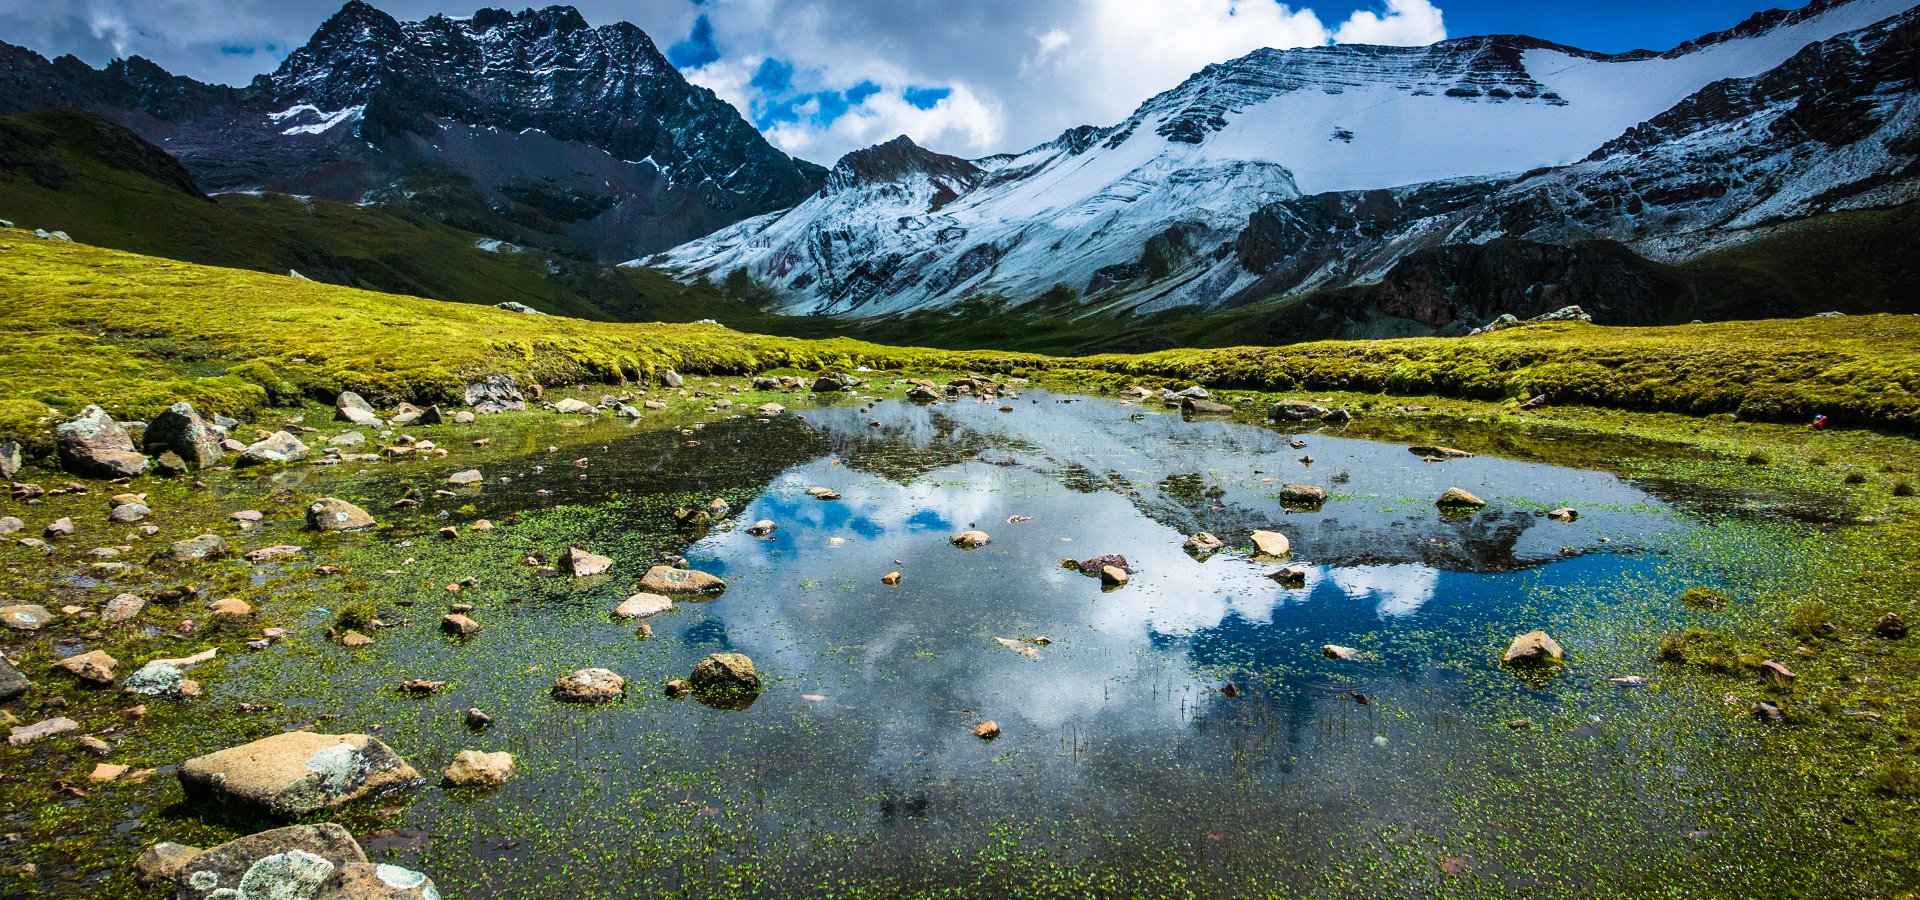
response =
{"points": [[181, 430], [293, 863], [1295, 411], [347, 439], [572, 407], [11, 459], [206, 546], [406, 414], [671, 379], [580, 563], [91, 443], [432, 416], [22, 735], [295, 773], [122, 608], [13, 682], [495, 394], [350, 400], [1302, 495], [334, 514], [377, 881], [833, 382], [670, 581], [356, 416], [10, 524], [130, 513], [280, 447], [470, 476]]}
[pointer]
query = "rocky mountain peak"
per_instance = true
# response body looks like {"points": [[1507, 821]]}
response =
{"points": [[898, 160]]}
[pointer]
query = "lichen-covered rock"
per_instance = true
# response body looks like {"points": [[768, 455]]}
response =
{"points": [[726, 673], [334, 514], [25, 616], [377, 881], [91, 443], [279, 447], [180, 430], [589, 686], [671, 581], [11, 459], [295, 773], [292, 863], [1295, 411]]}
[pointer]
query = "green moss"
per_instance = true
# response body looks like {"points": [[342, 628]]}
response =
{"points": [[1703, 598], [357, 616]]}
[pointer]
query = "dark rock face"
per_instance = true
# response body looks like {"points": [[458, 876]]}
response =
{"points": [[532, 127], [181, 431]]}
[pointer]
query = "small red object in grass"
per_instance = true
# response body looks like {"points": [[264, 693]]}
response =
{"points": [[1820, 423]]}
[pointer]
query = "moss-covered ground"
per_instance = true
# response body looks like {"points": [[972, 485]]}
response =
{"points": [[85, 325]]}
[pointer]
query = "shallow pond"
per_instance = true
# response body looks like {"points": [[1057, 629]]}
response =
{"points": [[1125, 763]]}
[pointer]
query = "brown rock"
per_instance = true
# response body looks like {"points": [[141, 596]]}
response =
{"points": [[1455, 498], [671, 581], [94, 666], [589, 686], [473, 768], [459, 625], [970, 540], [1533, 648], [295, 773], [987, 730]]}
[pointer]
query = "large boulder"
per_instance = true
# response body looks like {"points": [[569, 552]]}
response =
{"points": [[91, 443], [181, 431], [334, 514], [726, 673], [495, 394], [280, 447], [11, 459], [671, 379], [670, 581], [295, 773], [299, 862]]}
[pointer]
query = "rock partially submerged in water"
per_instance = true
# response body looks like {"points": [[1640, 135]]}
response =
{"points": [[589, 686], [1295, 411], [581, 564], [671, 581], [1457, 498], [641, 606], [725, 673], [473, 768], [1344, 654], [300, 862], [1535, 648], [335, 514], [1433, 451], [762, 528], [1271, 543], [970, 540], [1202, 542], [1563, 514], [93, 444], [1302, 495], [295, 773]]}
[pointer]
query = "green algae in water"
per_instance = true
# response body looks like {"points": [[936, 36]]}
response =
{"points": [[1122, 766]]}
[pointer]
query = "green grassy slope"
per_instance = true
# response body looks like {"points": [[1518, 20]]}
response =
{"points": [[72, 171], [82, 324]]}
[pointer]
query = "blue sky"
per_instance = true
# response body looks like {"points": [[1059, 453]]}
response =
{"points": [[823, 77]]}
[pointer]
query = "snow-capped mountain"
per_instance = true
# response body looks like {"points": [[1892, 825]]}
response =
{"points": [[1283, 171], [530, 126]]}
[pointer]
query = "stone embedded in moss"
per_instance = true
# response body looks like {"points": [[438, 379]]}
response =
{"points": [[295, 773]]}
